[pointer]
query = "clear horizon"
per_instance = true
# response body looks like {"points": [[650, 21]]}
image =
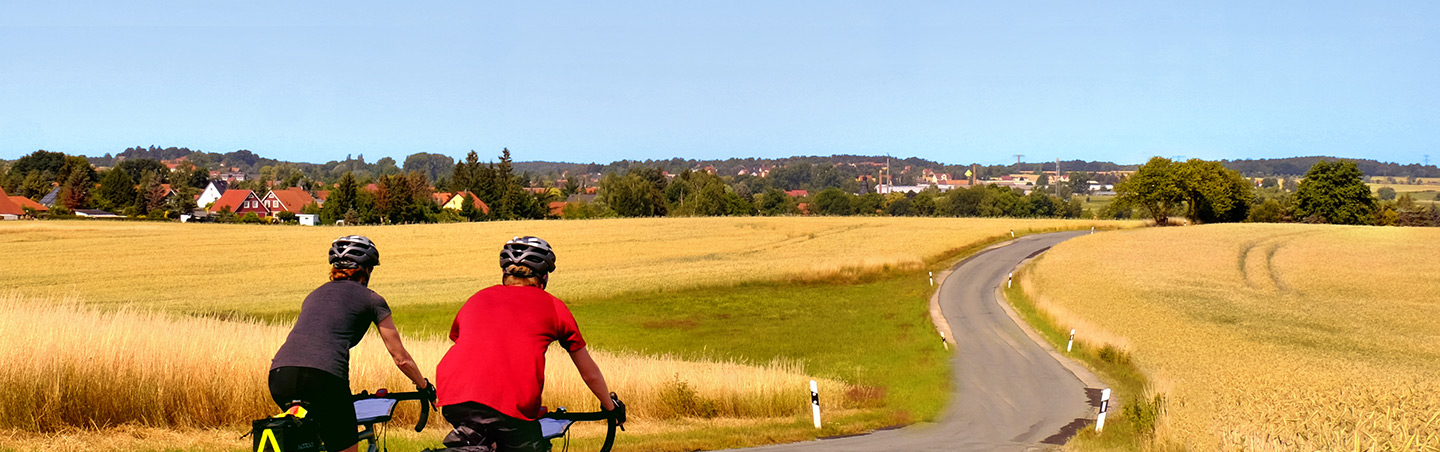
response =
{"points": [[579, 82]]}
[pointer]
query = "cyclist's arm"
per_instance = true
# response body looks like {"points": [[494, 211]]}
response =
{"points": [[590, 372], [391, 336]]}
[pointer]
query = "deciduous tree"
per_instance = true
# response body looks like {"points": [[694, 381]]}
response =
{"points": [[833, 201], [1334, 192], [1153, 189]]}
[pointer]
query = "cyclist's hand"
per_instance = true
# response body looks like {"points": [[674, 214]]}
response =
{"points": [[428, 391], [618, 412]]}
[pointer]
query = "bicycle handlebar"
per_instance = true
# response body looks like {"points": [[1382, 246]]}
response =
{"points": [[614, 418], [424, 399]]}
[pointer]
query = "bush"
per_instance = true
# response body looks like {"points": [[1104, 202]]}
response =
{"points": [[681, 400], [250, 218], [1270, 211], [1386, 194], [288, 217], [1111, 354], [1145, 414], [450, 216]]}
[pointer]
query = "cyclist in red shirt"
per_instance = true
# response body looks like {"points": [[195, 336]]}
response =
{"points": [[490, 381]]}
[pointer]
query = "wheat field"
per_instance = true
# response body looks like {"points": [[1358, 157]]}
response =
{"points": [[215, 268], [1266, 337], [125, 330], [75, 366]]}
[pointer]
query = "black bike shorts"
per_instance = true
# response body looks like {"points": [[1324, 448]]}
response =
{"points": [[479, 427], [328, 402]]}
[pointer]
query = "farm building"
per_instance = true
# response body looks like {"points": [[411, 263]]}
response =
{"points": [[8, 209], [24, 202], [458, 201]]}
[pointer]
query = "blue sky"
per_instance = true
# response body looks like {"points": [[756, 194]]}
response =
{"points": [[957, 82]]}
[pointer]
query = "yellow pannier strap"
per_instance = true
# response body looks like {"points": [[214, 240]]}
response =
{"points": [[297, 411]]}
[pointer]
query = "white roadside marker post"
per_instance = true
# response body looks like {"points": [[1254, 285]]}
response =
{"points": [[932, 279], [1092, 229], [815, 402], [944, 342], [1071, 343], [1010, 280], [1104, 406], [1012, 233]]}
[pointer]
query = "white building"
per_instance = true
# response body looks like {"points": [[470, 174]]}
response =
{"points": [[212, 192], [886, 188]]}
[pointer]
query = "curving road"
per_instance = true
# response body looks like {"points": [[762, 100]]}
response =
{"points": [[1011, 394]]}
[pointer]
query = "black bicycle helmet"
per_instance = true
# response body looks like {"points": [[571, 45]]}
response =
{"points": [[533, 253], [354, 251]]}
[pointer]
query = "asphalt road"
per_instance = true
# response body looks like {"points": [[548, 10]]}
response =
{"points": [[1011, 394]]}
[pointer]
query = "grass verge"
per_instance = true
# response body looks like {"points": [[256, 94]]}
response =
{"points": [[1135, 411], [875, 335]]}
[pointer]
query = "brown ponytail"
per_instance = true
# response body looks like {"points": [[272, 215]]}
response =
{"points": [[360, 275], [516, 275]]}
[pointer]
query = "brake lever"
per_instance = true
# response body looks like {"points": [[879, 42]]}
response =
{"points": [[424, 414]]}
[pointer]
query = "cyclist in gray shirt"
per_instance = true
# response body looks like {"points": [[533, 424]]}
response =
{"points": [[313, 365]]}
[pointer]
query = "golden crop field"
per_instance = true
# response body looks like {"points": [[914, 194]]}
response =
{"points": [[203, 268], [1263, 336], [99, 312], [1423, 193], [78, 366]]}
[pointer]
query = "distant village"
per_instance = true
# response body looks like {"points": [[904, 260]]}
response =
{"points": [[300, 205]]}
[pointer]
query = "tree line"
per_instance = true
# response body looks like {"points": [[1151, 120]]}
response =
{"points": [[647, 192], [1332, 192], [1197, 190]]}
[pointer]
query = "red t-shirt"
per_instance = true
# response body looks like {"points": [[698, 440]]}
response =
{"points": [[498, 359]]}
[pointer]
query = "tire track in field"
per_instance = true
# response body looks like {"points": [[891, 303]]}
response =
{"points": [[1257, 262]]}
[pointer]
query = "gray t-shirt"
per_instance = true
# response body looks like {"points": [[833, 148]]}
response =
{"points": [[332, 320]]}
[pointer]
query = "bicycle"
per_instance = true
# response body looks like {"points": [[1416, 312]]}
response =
{"points": [[373, 411]]}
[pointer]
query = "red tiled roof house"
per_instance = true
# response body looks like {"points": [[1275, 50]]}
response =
{"points": [[241, 202], [289, 200]]}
